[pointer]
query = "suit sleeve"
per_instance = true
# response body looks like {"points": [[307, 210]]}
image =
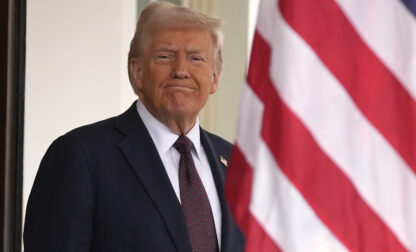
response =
{"points": [[59, 215]]}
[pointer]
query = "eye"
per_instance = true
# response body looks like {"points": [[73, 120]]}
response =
{"points": [[196, 58], [163, 56]]}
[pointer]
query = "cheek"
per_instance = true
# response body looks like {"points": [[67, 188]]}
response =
{"points": [[159, 75], [152, 79]]}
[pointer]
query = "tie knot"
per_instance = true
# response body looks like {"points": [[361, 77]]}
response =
{"points": [[183, 144]]}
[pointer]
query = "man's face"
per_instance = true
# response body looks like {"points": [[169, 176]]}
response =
{"points": [[176, 73]]}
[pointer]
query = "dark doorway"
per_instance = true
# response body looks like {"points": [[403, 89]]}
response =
{"points": [[12, 62]]}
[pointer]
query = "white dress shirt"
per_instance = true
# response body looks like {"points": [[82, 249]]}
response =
{"points": [[164, 138]]}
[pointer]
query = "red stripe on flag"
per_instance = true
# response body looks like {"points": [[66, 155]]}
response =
{"points": [[238, 193], [238, 186], [257, 239], [327, 190], [375, 90]]}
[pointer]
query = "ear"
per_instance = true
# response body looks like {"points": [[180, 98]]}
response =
{"points": [[136, 73], [215, 81]]}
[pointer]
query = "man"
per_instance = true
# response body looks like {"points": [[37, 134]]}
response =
{"points": [[149, 179]]}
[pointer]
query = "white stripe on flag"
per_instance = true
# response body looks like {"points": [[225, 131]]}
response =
{"points": [[276, 203]]}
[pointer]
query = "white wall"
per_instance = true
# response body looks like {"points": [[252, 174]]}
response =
{"points": [[75, 69]]}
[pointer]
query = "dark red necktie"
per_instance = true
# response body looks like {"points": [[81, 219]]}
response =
{"points": [[194, 200]]}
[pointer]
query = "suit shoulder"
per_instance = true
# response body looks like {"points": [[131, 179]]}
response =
{"points": [[108, 128], [219, 142], [93, 130], [102, 136], [91, 139], [219, 139]]}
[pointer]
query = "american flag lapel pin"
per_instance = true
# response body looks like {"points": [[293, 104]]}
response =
{"points": [[223, 161]]}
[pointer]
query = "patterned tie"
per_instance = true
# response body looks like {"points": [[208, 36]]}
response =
{"points": [[195, 204]]}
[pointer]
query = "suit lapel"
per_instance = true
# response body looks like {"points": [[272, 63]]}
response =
{"points": [[140, 151], [218, 171]]}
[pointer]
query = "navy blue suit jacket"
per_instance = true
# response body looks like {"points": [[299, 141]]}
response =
{"points": [[103, 187]]}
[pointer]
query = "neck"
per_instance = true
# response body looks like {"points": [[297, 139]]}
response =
{"points": [[179, 127], [180, 124]]}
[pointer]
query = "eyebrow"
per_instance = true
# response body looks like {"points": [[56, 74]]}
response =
{"points": [[196, 51], [173, 50], [165, 49]]}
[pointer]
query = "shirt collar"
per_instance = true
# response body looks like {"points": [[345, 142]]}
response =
{"points": [[162, 136]]}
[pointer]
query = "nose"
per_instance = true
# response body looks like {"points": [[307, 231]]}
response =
{"points": [[180, 68]]}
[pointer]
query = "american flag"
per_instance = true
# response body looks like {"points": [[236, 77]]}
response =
{"points": [[325, 155]]}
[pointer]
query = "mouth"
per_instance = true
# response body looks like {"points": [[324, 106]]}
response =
{"points": [[180, 87]]}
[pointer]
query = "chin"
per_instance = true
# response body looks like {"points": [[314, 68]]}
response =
{"points": [[180, 110]]}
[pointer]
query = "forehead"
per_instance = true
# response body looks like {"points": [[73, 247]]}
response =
{"points": [[181, 38]]}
